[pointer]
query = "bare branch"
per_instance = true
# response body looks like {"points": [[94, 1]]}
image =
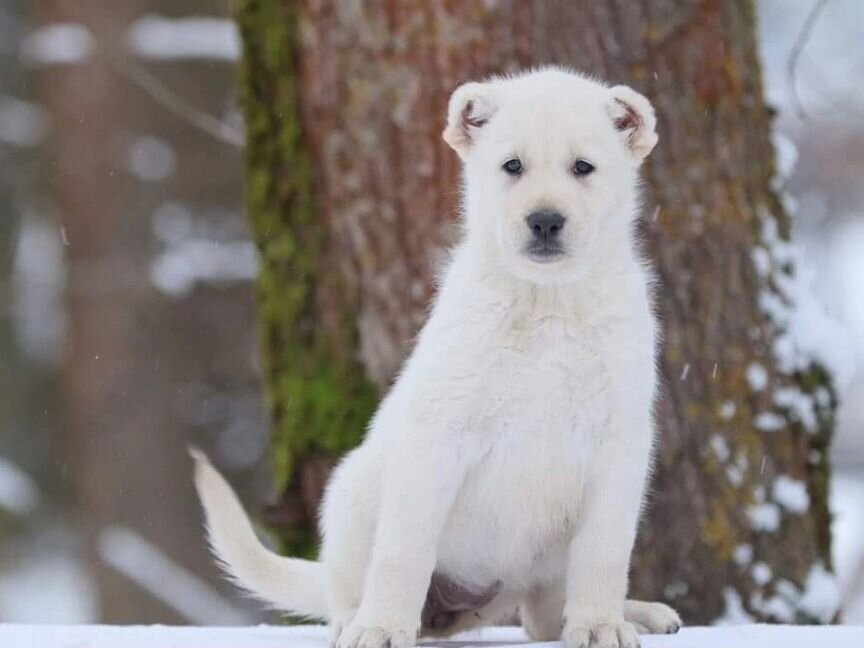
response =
{"points": [[795, 56], [177, 105]]}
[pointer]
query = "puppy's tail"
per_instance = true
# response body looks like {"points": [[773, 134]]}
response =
{"points": [[288, 584]]}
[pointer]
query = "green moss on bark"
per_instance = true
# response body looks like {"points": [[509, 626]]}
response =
{"points": [[318, 394]]}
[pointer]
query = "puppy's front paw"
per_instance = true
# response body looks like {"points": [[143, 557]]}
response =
{"points": [[600, 634], [355, 635]]}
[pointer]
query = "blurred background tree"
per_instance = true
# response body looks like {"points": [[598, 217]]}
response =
{"points": [[353, 198], [131, 260]]}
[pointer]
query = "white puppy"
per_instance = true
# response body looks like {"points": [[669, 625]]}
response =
{"points": [[506, 468]]}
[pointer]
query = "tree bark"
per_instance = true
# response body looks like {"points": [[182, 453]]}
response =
{"points": [[354, 196]]}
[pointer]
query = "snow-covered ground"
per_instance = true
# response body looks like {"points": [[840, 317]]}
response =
{"points": [[749, 636]]}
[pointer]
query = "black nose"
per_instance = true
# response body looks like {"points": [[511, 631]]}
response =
{"points": [[545, 225]]}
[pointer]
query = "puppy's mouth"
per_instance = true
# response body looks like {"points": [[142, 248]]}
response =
{"points": [[544, 252]]}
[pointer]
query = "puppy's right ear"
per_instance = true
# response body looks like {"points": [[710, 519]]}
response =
{"points": [[469, 110]]}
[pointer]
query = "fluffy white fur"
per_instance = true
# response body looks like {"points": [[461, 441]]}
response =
{"points": [[513, 449]]}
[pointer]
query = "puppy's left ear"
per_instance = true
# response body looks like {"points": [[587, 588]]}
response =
{"points": [[633, 116]]}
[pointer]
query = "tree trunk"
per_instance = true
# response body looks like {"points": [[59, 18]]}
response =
{"points": [[143, 374], [353, 197]]}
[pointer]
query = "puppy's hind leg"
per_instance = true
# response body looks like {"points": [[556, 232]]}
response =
{"points": [[346, 557], [652, 618], [542, 612], [348, 520], [419, 485], [542, 615], [343, 598]]}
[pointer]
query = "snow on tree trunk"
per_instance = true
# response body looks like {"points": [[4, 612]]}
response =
{"points": [[354, 196]]}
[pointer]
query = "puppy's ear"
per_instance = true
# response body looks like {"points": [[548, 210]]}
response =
{"points": [[469, 110], [633, 116]]}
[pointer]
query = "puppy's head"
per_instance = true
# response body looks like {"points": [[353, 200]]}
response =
{"points": [[551, 161]]}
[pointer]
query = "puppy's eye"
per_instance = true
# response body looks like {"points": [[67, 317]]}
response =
{"points": [[513, 166], [582, 168]]}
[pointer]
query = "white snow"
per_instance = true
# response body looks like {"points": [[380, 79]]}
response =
{"points": [[727, 410], [761, 573], [769, 422], [720, 447], [22, 123], [734, 469], [808, 331], [179, 268], [791, 494], [821, 597], [786, 153], [777, 607], [19, 494], [195, 251], [735, 475], [761, 261], [150, 159], [58, 44], [142, 562], [764, 517], [802, 406], [743, 554], [48, 586], [757, 377], [788, 589], [38, 280], [816, 333], [734, 614], [740, 636], [161, 38]]}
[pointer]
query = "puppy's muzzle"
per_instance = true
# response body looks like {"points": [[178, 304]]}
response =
{"points": [[545, 226]]}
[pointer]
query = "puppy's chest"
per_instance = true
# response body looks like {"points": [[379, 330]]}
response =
{"points": [[551, 382], [542, 407], [548, 403]]}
